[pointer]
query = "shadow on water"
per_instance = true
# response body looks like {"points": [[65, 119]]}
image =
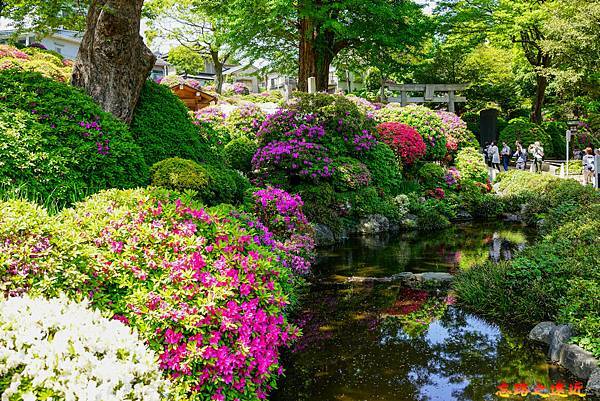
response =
{"points": [[389, 343]]}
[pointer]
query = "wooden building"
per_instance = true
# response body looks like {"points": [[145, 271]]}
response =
{"points": [[194, 99]]}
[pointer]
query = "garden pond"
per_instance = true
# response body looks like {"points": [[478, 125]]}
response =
{"points": [[382, 341]]}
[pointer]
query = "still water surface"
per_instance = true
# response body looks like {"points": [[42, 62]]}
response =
{"points": [[367, 342]]}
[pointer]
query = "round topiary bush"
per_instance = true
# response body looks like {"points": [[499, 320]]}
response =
{"points": [[212, 185], [238, 154], [384, 168], [521, 129], [431, 175], [58, 145], [557, 132], [350, 174], [405, 141], [163, 128], [424, 120], [61, 349]]}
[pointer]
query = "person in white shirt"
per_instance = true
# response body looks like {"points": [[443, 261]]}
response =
{"points": [[521, 156], [588, 166], [495, 156], [537, 151]]}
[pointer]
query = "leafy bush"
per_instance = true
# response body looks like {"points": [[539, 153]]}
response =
{"points": [[348, 130], [431, 175], [238, 154], [457, 134], [204, 288], [433, 214], [162, 127], [283, 216], [384, 168], [556, 130], [49, 64], [58, 144], [405, 141], [424, 120], [350, 174], [521, 129], [244, 121], [211, 184], [471, 165], [61, 349]]}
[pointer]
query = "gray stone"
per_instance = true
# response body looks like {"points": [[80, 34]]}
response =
{"points": [[437, 277], [560, 336], [373, 224], [542, 332], [593, 385], [409, 221], [463, 215], [323, 235], [513, 218], [577, 360]]}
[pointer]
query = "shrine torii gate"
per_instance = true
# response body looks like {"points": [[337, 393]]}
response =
{"points": [[429, 94]]}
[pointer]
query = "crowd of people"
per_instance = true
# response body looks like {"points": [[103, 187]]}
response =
{"points": [[495, 156]]}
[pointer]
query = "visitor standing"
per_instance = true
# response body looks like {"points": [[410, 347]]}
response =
{"points": [[486, 154], [537, 151], [521, 156], [495, 156], [505, 155], [588, 166]]}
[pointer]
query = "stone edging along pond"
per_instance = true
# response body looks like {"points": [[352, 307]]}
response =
{"points": [[574, 358]]}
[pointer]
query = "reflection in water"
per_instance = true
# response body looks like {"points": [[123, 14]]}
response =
{"points": [[459, 247], [387, 343]]}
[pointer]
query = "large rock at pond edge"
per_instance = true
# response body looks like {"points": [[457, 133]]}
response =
{"points": [[593, 384], [323, 235], [559, 337], [577, 360], [373, 224], [463, 215], [437, 278], [542, 332], [513, 218]]}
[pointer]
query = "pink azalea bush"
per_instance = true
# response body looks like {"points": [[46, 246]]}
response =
{"points": [[205, 288], [457, 134], [405, 141]]}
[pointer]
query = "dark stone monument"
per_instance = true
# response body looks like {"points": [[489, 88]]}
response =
{"points": [[488, 125]]}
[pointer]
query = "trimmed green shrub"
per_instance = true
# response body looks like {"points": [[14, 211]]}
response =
{"points": [[557, 132], [213, 185], [163, 128], [239, 152], [471, 165], [350, 174], [431, 175], [385, 170], [58, 146], [521, 129]]}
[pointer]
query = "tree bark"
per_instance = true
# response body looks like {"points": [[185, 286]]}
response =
{"points": [[540, 96], [113, 62], [218, 71]]}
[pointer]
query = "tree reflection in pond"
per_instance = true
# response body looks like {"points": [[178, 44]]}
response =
{"points": [[387, 343], [461, 246]]}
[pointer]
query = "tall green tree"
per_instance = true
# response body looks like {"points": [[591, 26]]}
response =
{"points": [[522, 23], [187, 23], [318, 30], [44, 16]]}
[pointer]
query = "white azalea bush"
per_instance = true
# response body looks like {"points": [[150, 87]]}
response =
{"points": [[60, 350]]}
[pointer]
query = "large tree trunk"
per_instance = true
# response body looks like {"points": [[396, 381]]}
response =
{"points": [[315, 56], [218, 71], [540, 96], [113, 62]]}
